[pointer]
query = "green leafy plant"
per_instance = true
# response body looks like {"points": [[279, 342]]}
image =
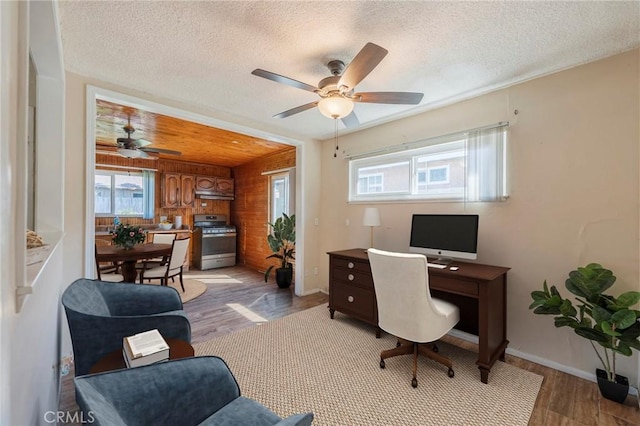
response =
{"points": [[128, 235], [282, 241], [603, 319]]}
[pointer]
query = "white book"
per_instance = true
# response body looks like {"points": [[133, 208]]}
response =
{"points": [[145, 348]]}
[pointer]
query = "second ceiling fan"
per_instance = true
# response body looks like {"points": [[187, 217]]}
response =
{"points": [[337, 92]]}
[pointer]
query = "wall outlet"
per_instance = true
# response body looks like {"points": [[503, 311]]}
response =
{"points": [[346, 222], [203, 204], [315, 271], [316, 221]]}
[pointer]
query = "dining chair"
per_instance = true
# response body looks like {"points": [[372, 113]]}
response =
{"points": [[407, 310], [158, 261], [172, 268], [106, 273]]}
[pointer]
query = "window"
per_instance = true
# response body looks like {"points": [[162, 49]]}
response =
{"points": [[467, 166], [120, 194], [281, 194]]}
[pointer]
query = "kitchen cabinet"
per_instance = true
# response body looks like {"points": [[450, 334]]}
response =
{"points": [[215, 186], [178, 190]]}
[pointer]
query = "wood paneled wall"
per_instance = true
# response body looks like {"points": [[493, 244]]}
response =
{"points": [[162, 166], [249, 211]]}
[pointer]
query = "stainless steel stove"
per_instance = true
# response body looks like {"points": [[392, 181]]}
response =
{"points": [[214, 242]]}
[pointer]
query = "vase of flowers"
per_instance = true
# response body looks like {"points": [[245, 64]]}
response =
{"points": [[127, 236]]}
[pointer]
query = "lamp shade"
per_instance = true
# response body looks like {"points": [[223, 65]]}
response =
{"points": [[371, 217], [335, 107]]}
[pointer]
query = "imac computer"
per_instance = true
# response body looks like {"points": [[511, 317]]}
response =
{"points": [[445, 236]]}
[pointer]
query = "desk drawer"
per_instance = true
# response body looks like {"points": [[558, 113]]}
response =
{"points": [[454, 285], [354, 301], [354, 277], [351, 264]]}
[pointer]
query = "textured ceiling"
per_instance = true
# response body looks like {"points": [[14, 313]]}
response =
{"points": [[202, 53]]}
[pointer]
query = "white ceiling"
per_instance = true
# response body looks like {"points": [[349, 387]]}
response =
{"points": [[202, 53]]}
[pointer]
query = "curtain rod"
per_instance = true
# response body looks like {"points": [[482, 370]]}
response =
{"points": [[126, 167], [273, 172], [409, 145]]}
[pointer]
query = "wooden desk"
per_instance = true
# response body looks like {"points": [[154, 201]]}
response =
{"points": [[480, 291], [131, 256], [115, 360]]}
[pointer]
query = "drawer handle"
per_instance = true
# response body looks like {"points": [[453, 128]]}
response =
{"points": [[351, 277], [350, 299], [351, 265]]}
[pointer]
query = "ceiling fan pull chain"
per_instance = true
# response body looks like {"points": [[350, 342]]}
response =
{"points": [[335, 153]]}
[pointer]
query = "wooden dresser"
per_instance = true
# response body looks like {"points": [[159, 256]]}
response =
{"points": [[351, 286]]}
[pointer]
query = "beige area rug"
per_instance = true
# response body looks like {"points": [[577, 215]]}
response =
{"points": [[192, 288], [308, 362]]}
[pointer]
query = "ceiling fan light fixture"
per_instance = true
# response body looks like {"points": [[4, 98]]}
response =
{"points": [[129, 153], [335, 107]]}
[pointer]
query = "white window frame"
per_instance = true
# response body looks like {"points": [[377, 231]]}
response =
{"points": [[372, 187], [112, 174], [291, 195], [484, 151]]}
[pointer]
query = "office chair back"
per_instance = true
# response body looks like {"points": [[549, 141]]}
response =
{"points": [[405, 306]]}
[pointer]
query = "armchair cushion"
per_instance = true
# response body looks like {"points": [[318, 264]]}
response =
{"points": [[188, 391], [100, 314]]}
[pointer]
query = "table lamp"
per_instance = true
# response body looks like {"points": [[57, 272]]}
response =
{"points": [[371, 219]]}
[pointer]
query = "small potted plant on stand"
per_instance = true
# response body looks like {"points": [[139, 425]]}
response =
{"points": [[282, 242], [606, 320]]}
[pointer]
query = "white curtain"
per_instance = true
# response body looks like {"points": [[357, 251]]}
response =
{"points": [[486, 174], [149, 185]]}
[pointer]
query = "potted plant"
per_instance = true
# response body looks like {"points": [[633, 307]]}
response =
{"points": [[282, 241], [601, 318], [127, 236]]}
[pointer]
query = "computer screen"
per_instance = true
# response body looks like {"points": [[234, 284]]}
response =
{"points": [[445, 236]]}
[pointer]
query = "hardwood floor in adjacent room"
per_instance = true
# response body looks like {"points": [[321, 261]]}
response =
{"points": [[237, 298]]}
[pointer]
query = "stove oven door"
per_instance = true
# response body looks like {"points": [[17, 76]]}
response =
{"points": [[216, 250]]}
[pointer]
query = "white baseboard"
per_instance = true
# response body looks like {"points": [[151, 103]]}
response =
{"points": [[542, 361]]}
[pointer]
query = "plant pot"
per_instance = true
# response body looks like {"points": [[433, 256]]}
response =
{"points": [[284, 277], [615, 391]]}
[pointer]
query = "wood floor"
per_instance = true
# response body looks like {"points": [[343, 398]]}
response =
{"points": [[238, 298]]}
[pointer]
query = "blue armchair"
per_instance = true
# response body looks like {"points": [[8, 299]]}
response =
{"points": [[188, 391], [100, 314]]}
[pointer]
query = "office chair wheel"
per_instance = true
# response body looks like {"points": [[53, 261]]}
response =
{"points": [[414, 383], [451, 373], [435, 348], [381, 363]]}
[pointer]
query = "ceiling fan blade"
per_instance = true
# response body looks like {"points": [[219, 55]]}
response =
{"points": [[365, 61], [296, 110], [406, 98], [143, 154], [284, 80], [350, 121], [160, 151]]}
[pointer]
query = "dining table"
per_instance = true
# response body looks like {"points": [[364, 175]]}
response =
{"points": [[130, 256]]}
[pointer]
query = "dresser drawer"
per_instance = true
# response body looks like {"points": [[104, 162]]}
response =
{"points": [[354, 301], [354, 277], [457, 286]]}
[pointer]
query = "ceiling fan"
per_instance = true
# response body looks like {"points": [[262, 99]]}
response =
{"points": [[337, 92], [138, 148]]}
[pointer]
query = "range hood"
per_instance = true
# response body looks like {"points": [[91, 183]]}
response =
{"points": [[212, 195]]}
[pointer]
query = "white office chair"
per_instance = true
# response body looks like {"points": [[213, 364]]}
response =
{"points": [[406, 308], [172, 268]]}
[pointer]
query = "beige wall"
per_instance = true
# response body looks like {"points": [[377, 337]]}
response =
{"points": [[573, 156]]}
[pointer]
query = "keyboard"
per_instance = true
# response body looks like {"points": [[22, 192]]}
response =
{"points": [[436, 265]]}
